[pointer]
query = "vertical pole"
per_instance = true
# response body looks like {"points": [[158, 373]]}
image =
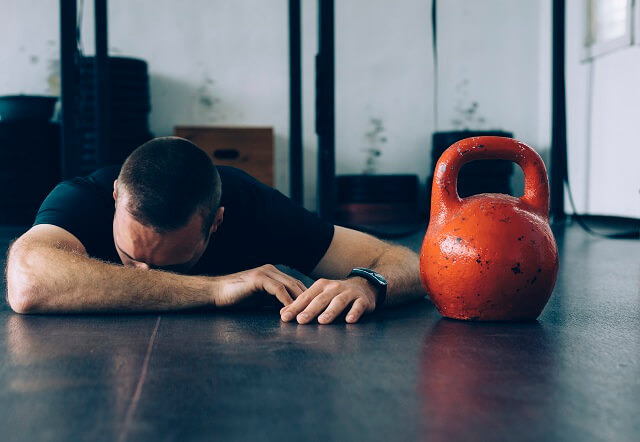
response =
{"points": [[69, 147], [295, 104], [101, 67], [558, 115], [325, 111], [434, 46]]}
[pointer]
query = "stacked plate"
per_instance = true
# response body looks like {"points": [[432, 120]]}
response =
{"points": [[129, 104], [29, 167], [384, 205]]}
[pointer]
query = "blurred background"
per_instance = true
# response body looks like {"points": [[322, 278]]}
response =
{"points": [[219, 70]]}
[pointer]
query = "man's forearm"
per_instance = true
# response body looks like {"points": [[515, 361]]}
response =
{"points": [[43, 279]]}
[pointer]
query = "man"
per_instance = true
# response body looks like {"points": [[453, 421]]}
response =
{"points": [[171, 231]]}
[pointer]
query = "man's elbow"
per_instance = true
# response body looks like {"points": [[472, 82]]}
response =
{"points": [[20, 301], [22, 289]]}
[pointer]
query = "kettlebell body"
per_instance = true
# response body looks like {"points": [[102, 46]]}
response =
{"points": [[489, 257]]}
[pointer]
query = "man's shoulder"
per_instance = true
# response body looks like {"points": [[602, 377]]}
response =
{"points": [[106, 174], [100, 181], [239, 185], [83, 206], [233, 174], [93, 190]]}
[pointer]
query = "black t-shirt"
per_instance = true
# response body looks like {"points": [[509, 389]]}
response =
{"points": [[260, 225]]}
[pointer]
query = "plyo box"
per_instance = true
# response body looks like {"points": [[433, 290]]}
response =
{"points": [[247, 148]]}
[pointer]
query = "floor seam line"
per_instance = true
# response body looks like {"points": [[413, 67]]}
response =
{"points": [[141, 379]]}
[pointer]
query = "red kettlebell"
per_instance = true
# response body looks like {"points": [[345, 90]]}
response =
{"points": [[489, 257]]}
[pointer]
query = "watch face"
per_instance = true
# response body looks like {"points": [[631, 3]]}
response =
{"points": [[379, 277]]}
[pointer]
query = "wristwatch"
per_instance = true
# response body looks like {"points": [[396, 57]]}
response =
{"points": [[374, 278]]}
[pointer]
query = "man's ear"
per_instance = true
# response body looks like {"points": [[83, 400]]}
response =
{"points": [[218, 220], [115, 190]]}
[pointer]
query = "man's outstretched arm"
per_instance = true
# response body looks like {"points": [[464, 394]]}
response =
{"points": [[333, 294], [49, 271]]}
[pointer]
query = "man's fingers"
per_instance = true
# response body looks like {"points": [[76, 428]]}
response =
{"points": [[295, 286], [358, 308], [301, 303], [336, 306], [303, 287], [316, 306], [279, 290], [334, 297], [291, 285]]}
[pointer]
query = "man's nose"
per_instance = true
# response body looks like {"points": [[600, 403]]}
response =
{"points": [[141, 265]]}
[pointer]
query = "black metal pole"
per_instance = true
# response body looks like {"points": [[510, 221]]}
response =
{"points": [[101, 67], [295, 104], [69, 147], [558, 115], [325, 111], [434, 46]]}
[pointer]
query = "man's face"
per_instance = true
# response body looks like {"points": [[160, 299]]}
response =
{"points": [[141, 246]]}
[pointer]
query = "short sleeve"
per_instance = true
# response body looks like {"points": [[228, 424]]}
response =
{"points": [[83, 207], [298, 238]]}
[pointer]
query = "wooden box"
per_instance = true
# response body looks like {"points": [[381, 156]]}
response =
{"points": [[247, 148]]}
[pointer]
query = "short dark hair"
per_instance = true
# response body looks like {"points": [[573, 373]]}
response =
{"points": [[168, 180]]}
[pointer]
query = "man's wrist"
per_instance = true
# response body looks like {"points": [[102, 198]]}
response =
{"points": [[209, 288], [375, 281], [365, 284]]}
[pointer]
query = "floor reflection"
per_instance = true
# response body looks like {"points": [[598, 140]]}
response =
{"points": [[487, 378]]}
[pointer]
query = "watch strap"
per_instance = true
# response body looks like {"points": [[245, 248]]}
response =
{"points": [[376, 279]]}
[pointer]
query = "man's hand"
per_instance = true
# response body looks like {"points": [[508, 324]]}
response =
{"points": [[329, 299], [235, 287]]}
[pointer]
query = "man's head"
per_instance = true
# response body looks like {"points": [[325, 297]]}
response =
{"points": [[167, 205]]}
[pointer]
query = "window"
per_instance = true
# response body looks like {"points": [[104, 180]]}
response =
{"points": [[607, 26]]}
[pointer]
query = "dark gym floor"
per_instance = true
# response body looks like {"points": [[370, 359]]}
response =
{"points": [[405, 374]]}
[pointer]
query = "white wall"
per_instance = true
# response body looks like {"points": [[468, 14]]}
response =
{"points": [[29, 48], [226, 62], [496, 53], [492, 59], [211, 62], [603, 143]]}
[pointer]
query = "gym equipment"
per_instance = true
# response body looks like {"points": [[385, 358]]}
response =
{"points": [[489, 256]]}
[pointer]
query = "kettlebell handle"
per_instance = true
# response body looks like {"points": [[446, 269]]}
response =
{"points": [[444, 196]]}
